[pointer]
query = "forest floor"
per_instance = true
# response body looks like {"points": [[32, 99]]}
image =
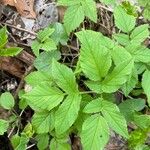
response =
{"points": [[22, 27]]}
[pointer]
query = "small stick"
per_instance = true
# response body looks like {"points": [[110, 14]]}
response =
{"points": [[30, 146], [21, 29], [29, 69]]}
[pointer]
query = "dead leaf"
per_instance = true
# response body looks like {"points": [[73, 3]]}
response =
{"points": [[24, 7]]}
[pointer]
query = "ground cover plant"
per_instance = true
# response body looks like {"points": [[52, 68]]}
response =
{"points": [[82, 99]]}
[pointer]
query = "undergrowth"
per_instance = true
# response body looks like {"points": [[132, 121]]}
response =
{"points": [[105, 66]]}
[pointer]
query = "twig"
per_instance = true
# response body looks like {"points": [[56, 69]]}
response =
{"points": [[30, 146], [126, 96], [98, 5], [11, 131], [63, 54], [28, 70], [21, 29], [73, 47]]}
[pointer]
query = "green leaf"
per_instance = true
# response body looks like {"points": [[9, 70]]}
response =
{"points": [[94, 106], [100, 59], [19, 142], [114, 118], [36, 46], [43, 122], [7, 100], [140, 67], [120, 54], [43, 41], [130, 8], [44, 34], [107, 42], [95, 86], [146, 5], [57, 144], [131, 83], [89, 7], [44, 97], [122, 38], [142, 121], [48, 45], [67, 113], [129, 106], [139, 52], [28, 130], [22, 101], [111, 114], [108, 2], [11, 51], [73, 17], [64, 77], [3, 126], [68, 3], [15, 141], [95, 133], [44, 61], [146, 12], [77, 126], [145, 84], [143, 2], [37, 77], [117, 77], [59, 35], [140, 33], [42, 141], [123, 21], [3, 37]]}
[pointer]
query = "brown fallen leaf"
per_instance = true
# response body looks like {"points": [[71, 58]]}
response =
{"points": [[24, 7]]}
